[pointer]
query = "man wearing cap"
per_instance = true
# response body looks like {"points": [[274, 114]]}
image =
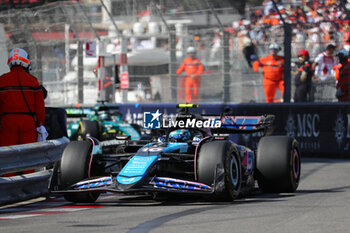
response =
{"points": [[303, 79], [22, 106], [272, 66], [193, 68]]}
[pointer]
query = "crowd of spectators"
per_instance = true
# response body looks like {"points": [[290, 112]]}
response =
{"points": [[315, 24]]}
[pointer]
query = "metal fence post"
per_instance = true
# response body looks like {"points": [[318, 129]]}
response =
{"points": [[287, 62], [80, 73], [66, 47], [226, 66], [114, 77], [39, 64], [124, 66], [172, 64]]}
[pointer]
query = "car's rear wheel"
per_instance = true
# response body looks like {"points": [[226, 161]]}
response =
{"points": [[219, 163], [89, 128], [278, 164], [74, 167]]}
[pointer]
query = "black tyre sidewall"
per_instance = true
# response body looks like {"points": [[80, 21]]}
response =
{"points": [[277, 159], [219, 153], [74, 167], [90, 128], [233, 190]]}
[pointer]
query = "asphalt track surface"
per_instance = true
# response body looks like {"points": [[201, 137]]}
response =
{"points": [[321, 204]]}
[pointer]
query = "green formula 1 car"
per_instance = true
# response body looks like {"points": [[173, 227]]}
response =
{"points": [[102, 122]]}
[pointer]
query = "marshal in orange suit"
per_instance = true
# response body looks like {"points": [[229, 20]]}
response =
{"points": [[193, 69], [272, 66]]}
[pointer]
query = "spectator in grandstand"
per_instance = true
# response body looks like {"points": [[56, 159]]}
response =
{"points": [[269, 6], [216, 44], [313, 41], [22, 104], [323, 64], [298, 40], [193, 68], [347, 45], [342, 72], [272, 66], [303, 78], [346, 31], [249, 50]]}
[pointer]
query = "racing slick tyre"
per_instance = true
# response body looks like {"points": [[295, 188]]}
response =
{"points": [[74, 167], [278, 164], [219, 164], [89, 128]]}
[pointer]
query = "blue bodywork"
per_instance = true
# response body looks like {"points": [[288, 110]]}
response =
{"points": [[140, 165]]}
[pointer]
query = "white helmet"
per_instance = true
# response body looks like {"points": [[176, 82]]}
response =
{"points": [[18, 57], [191, 50], [274, 46]]}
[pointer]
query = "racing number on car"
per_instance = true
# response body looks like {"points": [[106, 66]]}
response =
{"points": [[152, 149]]}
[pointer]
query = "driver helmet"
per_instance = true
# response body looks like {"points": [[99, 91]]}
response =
{"points": [[18, 57], [198, 136], [104, 116], [179, 135]]}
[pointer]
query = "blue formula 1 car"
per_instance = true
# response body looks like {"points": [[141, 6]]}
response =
{"points": [[182, 159], [102, 122]]}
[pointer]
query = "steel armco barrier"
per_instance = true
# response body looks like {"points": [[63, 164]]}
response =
{"points": [[41, 156]]}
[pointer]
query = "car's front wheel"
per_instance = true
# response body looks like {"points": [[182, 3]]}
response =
{"points": [[75, 166], [88, 128], [219, 163]]}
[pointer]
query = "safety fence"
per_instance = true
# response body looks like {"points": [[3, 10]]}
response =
{"points": [[39, 156], [52, 33]]}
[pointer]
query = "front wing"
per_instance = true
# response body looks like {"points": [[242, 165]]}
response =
{"points": [[155, 184]]}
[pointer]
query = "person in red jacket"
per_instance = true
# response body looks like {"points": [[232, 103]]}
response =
{"points": [[272, 66], [342, 72], [303, 79], [193, 68], [22, 107]]}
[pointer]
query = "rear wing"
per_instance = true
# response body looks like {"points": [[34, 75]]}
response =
{"points": [[242, 124], [75, 112], [78, 112]]}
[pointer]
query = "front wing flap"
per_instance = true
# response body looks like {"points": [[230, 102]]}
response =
{"points": [[155, 184]]}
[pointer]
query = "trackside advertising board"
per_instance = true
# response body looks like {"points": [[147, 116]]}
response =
{"points": [[321, 129]]}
